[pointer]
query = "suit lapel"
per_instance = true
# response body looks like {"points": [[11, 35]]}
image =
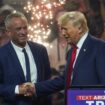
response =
{"points": [[36, 59], [83, 51], [16, 64]]}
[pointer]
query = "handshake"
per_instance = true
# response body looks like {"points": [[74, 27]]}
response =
{"points": [[27, 89]]}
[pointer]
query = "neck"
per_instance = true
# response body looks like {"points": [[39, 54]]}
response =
{"points": [[22, 45]]}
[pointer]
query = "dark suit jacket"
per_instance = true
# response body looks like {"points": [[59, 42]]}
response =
{"points": [[11, 73], [89, 68]]}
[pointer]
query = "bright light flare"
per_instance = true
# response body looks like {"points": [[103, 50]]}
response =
{"points": [[42, 15]]}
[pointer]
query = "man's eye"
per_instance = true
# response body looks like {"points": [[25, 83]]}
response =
{"points": [[19, 28], [25, 27], [62, 28]]}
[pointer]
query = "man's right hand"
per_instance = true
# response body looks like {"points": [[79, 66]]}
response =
{"points": [[27, 89]]}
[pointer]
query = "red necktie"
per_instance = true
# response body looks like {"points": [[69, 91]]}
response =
{"points": [[73, 56]]}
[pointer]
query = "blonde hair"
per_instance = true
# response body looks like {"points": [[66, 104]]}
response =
{"points": [[75, 17]]}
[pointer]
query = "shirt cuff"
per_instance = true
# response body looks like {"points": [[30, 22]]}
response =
{"points": [[17, 89]]}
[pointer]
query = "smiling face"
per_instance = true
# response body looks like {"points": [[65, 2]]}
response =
{"points": [[71, 33], [73, 26], [18, 31]]}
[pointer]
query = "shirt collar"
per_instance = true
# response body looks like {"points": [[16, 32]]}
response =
{"points": [[81, 41], [19, 48]]}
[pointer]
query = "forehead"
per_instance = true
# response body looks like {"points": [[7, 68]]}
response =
{"points": [[68, 24], [18, 20], [17, 23]]}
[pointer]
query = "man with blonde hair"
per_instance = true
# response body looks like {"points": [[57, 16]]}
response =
{"points": [[88, 67]]}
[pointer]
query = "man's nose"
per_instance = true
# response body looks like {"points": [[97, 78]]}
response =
{"points": [[63, 32], [22, 30]]}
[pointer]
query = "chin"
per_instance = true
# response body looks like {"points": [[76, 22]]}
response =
{"points": [[22, 44], [69, 42]]}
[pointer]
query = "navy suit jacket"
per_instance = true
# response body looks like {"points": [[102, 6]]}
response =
{"points": [[89, 68], [11, 73]]}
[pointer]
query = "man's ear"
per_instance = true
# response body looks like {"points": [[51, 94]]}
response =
{"points": [[80, 29], [8, 33]]}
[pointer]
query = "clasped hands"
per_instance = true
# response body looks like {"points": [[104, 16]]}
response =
{"points": [[27, 89]]}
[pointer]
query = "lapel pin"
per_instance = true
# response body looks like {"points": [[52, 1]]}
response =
{"points": [[84, 50]]}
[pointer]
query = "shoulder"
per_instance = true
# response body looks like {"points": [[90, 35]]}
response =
{"points": [[96, 40], [36, 46], [5, 47], [5, 50], [97, 44]]}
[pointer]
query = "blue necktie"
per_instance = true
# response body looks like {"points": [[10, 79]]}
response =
{"points": [[28, 78]]}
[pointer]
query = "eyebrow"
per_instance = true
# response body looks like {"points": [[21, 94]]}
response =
{"points": [[63, 28], [21, 27]]}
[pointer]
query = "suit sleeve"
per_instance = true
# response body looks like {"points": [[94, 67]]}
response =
{"points": [[6, 90], [50, 86]]}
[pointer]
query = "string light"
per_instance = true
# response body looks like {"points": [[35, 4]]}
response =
{"points": [[42, 14]]}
